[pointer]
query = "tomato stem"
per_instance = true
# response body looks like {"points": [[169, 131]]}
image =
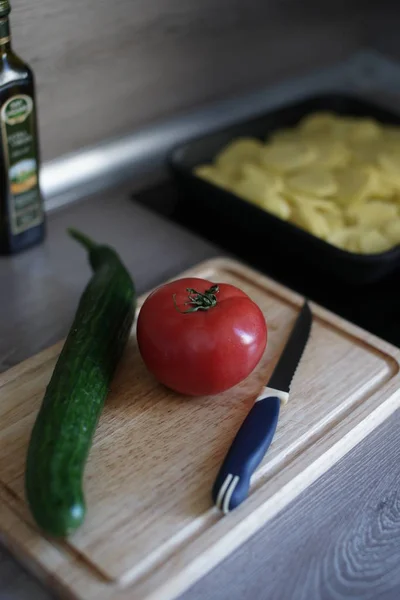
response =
{"points": [[199, 300]]}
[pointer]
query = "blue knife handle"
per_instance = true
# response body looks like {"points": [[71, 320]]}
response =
{"points": [[248, 448]]}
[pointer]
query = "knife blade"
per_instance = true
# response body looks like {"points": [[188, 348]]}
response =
{"points": [[256, 433]]}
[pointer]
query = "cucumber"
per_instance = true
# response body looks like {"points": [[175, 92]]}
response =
{"points": [[63, 431]]}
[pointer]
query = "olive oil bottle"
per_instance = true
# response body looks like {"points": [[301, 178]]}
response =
{"points": [[22, 218]]}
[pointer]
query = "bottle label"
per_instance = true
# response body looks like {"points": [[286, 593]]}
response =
{"points": [[4, 30], [19, 143]]}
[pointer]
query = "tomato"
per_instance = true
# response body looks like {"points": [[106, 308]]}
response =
{"points": [[198, 337]]}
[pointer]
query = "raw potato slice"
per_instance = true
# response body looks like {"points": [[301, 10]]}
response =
{"points": [[244, 149], [390, 162], [381, 186], [374, 242], [339, 237], [392, 231], [373, 213], [391, 134], [213, 175], [261, 188], [311, 220], [365, 152], [365, 129], [230, 171], [335, 221], [390, 147], [255, 186], [346, 238], [353, 241], [330, 154], [322, 204], [272, 181], [352, 244], [283, 136], [354, 185], [277, 205], [336, 176], [391, 178], [319, 122], [315, 181], [250, 189], [284, 157], [342, 128]]}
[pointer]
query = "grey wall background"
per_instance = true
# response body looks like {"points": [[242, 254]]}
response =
{"points": [[106, 68]]}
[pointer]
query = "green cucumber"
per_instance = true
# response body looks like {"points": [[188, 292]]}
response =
{"points": [[63, 431]]}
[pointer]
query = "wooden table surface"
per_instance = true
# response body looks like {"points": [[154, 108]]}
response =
{"points": [[339, 540]]}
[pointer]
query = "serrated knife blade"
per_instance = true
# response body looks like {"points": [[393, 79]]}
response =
{"points": [[255, 435]]}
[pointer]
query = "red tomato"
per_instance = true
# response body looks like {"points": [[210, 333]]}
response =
{"points": [[200, 338]]}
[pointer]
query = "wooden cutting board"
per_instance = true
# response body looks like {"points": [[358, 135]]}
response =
{"points": [[151, 529]]}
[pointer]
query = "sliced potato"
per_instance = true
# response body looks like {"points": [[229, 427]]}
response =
{"points": [[335, 221], [249, 189], [373, 213], [229, 170], [321, 121], [311, 220], [283, 136], [352, 244], [315, 181], [365, 152], [392, 231], [336, 176], [324, 205], [213, 175], [243, 149], [272, 181], [277, 205], [354, 185], [365, 129], [288, 156], [339, 237], [343, 128], [330, 154], [390, 144], [381, 185], [391, 178], [390, 162], [256, 185], [374, 242], [346, 238], [258, 190], [391, 134]]}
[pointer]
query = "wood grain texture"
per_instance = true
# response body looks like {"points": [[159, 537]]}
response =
{"points": [[340, 539], [106, 69], [312, 535], [152, 530]]}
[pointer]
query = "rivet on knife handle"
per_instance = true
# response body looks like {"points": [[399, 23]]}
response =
{"points": [[252, 441]]}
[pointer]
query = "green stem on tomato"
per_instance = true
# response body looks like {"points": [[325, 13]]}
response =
{"points": [[199, 300]]}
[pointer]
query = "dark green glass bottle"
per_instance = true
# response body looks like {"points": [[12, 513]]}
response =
{"points": [[22, 217]]}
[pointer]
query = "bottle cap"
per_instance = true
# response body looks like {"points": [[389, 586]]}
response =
{"points": [[5, 8]]}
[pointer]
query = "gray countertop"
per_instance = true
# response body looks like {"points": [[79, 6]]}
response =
{"points": [[340, 539]]}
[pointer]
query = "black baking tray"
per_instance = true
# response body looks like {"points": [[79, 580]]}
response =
{"points": [[210, 207]]}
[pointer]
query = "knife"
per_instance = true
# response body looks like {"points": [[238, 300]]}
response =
{"points": [[255, 435]]}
